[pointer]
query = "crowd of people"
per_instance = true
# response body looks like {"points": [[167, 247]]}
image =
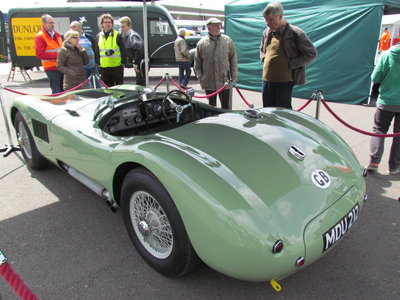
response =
{"points": [[285, 50], [70, 62]]}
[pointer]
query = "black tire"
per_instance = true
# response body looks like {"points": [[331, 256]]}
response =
{"points": [[31, 154], [146, 207]]}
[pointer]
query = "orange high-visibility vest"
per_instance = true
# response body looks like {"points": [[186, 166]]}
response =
{"points": [[52, 45]]}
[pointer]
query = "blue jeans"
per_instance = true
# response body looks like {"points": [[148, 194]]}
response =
{"points": [[184, 72], [56, 79], [277, 94], [93, 71]]}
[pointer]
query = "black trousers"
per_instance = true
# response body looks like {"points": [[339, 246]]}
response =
{"points": [[112, 75], [223, 97], [277, 94], [56, 79]]}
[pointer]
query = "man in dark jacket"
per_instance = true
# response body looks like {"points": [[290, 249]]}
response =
{"points": [[284, 51], [135, 49]]}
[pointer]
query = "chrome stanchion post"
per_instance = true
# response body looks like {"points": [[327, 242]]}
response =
{"points": [[98, 81], [318, 109], [9, 148], [230, 87], [167, 77], [3, 109], [93, 77]]}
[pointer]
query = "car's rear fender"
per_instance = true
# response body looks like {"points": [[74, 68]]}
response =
{"points": [[230, 227]]}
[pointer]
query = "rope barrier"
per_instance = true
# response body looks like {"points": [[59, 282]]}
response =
{"points": [[241, 96], [176, 85], [213, 94], [354, 128], [308, 102], [159, 83], [52, 95], [200, 97], [102, 82], [18, 285], [16, 92], [70, 90]]}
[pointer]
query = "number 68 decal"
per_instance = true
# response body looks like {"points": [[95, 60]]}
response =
{"points": [[321, 179]]}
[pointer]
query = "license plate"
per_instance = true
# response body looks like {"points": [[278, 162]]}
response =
{"points": [[337, 231]]}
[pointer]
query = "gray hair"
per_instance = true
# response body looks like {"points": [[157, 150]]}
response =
{"points": [[182, 31], [126, 20], [76, 23], [273, 9]]}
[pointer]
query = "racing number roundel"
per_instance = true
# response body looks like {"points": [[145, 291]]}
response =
{"points": [[321, 179]]}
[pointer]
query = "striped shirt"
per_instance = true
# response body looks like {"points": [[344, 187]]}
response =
{"points": [[87, 45]]}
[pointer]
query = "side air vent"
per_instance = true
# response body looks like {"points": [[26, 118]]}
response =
{"points": [[40, 130], [296, 152]]}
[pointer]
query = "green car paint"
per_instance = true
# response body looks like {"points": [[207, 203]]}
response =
{"points": [[237, 181]]}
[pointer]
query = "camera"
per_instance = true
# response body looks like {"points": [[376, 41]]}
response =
{"points": [[109, 52]]}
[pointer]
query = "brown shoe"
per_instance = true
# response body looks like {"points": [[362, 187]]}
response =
{"points": [[184, 86]]}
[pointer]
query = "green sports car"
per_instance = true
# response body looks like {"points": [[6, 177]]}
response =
{"points": [[256, 194]]}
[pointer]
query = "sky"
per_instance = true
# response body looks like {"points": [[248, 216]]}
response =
{"points": [[216, 4], [6, 5]]}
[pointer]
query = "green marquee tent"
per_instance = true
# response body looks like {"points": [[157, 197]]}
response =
{"points": [[345, 33]]}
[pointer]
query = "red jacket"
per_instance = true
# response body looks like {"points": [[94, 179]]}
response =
{"points": [[47, 48]]}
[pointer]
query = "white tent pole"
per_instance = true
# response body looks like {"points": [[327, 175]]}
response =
{"points": [[146, 45]]}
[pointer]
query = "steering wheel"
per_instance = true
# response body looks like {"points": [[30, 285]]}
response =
{"points": [[176, 107]]}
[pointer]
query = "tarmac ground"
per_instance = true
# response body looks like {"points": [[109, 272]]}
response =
{"points": [[65, 243]]}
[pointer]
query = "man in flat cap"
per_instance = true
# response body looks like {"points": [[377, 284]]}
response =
{"points": [[215, 62]]}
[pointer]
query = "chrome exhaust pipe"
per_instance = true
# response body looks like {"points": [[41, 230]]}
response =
{"points": [[94, 186]]}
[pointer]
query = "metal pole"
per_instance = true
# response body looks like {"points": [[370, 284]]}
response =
{"points": [[167, 81], [146, 45], [94, 81], [3, 108], [318, 109], [230, 86]]}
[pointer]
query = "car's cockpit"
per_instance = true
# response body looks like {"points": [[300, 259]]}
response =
{"points": [[149, 112]]}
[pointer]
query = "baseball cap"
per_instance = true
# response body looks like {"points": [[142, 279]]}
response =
{"points": [[213, 21]]}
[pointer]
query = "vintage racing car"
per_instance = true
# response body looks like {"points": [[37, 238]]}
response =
{"points": [[256, 194]]}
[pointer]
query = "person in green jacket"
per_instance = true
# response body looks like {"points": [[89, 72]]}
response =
{"points": [[387, 73]]}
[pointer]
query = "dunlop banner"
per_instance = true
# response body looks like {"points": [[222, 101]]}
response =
{"points": [[24, 32]]}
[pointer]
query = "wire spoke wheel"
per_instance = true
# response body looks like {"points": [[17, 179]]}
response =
{"points": [[30, 152], [151, 225], [23, 140], [155, 226]]}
